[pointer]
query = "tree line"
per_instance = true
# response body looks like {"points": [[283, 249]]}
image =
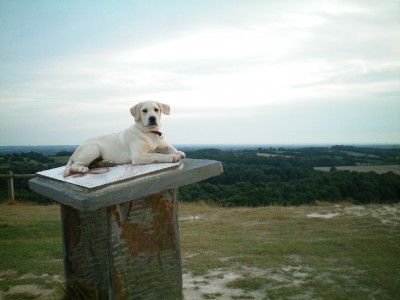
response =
{"points": [[258, 177], [287, 177]]}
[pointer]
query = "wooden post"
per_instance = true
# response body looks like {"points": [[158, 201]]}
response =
{"points": [[10, 181], [121, 241]]}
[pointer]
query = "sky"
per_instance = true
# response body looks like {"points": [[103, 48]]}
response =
{"points": [[234, 72]]}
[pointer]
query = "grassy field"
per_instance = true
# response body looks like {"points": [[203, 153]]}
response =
{"points": [[380, 169], [323, 251]]}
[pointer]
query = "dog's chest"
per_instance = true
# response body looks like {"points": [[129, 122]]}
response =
{"points": [[154, 141]]}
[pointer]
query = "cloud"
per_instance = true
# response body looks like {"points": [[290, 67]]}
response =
{"points": [[217, 64]]}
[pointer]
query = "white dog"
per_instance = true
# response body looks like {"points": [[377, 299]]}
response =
{"points": [[140, 144]]}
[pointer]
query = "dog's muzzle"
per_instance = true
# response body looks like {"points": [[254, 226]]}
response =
{"points": [[152, 121]]}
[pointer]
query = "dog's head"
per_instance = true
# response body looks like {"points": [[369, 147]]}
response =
{"points": [[148, 114]]}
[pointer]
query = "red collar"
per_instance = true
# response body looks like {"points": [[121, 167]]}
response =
{"points": [[158, 133]]}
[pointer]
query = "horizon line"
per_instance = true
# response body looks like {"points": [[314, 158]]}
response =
{"points": [[230, 144]]}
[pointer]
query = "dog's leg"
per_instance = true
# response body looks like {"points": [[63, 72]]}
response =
{"points": [[149, 158], [83, 157], [100, 163], [78, 168], [169, 149]]}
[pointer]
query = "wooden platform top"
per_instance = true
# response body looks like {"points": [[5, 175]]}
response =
{"points": [[100, 177], [115, 185]]}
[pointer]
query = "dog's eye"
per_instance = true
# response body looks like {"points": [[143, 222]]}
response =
{"points": [[144, 110], [156, 109]]}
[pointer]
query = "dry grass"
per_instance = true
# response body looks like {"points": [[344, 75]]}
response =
{"points": [[323, 251], [318, 252], [30, 251]]}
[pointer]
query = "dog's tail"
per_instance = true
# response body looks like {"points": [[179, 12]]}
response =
{"points": [[67, 168]]}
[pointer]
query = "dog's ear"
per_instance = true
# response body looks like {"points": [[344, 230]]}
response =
{"points": [[135, 111], [165, 109]]}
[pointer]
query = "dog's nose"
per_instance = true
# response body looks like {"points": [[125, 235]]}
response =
{"points": [[152, 119]]}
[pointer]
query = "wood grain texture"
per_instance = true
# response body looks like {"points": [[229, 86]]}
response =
{"points": [[132, 257], [145, 262], [86, 243]]}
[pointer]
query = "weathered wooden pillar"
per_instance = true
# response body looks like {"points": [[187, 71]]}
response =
{"points": [[10, 183], [121, 237]]}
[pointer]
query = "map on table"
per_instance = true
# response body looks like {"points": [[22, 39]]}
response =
{"points": [[98, 177]]}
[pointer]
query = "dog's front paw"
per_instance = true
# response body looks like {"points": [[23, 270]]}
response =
{"points": [[175, 157], [82, 169], [181, 154]]}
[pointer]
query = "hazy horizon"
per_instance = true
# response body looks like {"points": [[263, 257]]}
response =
{"points": [[228, 145]]}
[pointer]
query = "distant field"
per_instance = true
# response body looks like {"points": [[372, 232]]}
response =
{"points": [[328, 251], [380, 169], [272, 155], [358, 154]]}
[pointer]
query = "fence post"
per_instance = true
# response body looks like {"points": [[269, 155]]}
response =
{"points": [[121, 240], [10, 181]]}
